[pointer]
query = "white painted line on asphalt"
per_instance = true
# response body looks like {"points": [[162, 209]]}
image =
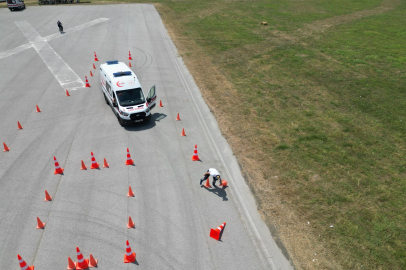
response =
{"points": [[213, 143], [51, 37], [66, 77]]}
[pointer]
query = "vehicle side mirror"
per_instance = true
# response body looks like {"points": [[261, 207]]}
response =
{"points": [[148, 100]]}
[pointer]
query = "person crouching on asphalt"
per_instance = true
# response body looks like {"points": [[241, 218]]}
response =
{"points": [[213, 173], [60, 25]]}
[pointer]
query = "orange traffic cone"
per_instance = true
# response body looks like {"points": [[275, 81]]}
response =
{"points": [[83, 166], [6, 149], [58, 170], [129, 56], [87, 82], [178, 118], [38, 110], [19, 125], [129, 256], [23, 264], [105, 164], [130, 192], [94, 66], [183, 132], [67, 93], [95, 57], [129, 64], [130, 223], [223, 183], [91, 74], [215, 234], [195, 157], [82, 262], [92, 261], [129, 160], [160, 103], [207, 185], [47, 196], [71, 264], [95, 165], [40, 224]]}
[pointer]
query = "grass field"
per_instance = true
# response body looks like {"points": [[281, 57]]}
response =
{"points": [[313, 105]]}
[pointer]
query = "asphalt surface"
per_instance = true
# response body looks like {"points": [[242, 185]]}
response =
{"points": [[172, 213]]}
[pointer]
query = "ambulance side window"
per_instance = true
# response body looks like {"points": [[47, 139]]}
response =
{"points": [[108, 87]]}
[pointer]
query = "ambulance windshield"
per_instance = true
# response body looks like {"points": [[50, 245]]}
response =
{"points": [[130, 97]]}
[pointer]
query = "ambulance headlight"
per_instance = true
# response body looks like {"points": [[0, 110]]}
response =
{"points": [[123, 113], [147, 110]]}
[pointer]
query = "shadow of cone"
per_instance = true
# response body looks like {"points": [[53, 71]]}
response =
{"points": [[71, 264], [130, 223], [47, 196], [130, 192], [92, 261], [40, 224]]}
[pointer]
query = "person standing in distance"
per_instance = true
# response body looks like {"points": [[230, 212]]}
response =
{"points": [[213, 173], [60, 25]]}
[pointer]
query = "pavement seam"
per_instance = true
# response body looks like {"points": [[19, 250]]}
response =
{"points": [[53, 200]]}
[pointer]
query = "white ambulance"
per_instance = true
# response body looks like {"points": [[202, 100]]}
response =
{"points": [[15, 4], [123, 92]]}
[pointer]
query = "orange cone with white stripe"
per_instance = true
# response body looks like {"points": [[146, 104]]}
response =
{"points": [[40, 225], [19, 125], [130, 192], [23, 264], [215, 234], [6, 149], [67, 93], [129, 64], [71, 264], [47, 196], [105, 164], [129, 56], [82, 263], [130, 223], [95, 165], [92, 261], [38, 110], [91, 74], [58, 170], [129, 160], [195, 157], [95, 57], [94, 66], [207, 185], [87, 82], [129, 256]]}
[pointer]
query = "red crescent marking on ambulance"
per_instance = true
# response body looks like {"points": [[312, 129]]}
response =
{"points": [[120, 84]]}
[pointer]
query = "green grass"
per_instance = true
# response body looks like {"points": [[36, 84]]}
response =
{"points": [[327, 109]]}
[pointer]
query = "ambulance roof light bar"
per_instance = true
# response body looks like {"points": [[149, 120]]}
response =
{"points": [[122, 73], [114, 62]]}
